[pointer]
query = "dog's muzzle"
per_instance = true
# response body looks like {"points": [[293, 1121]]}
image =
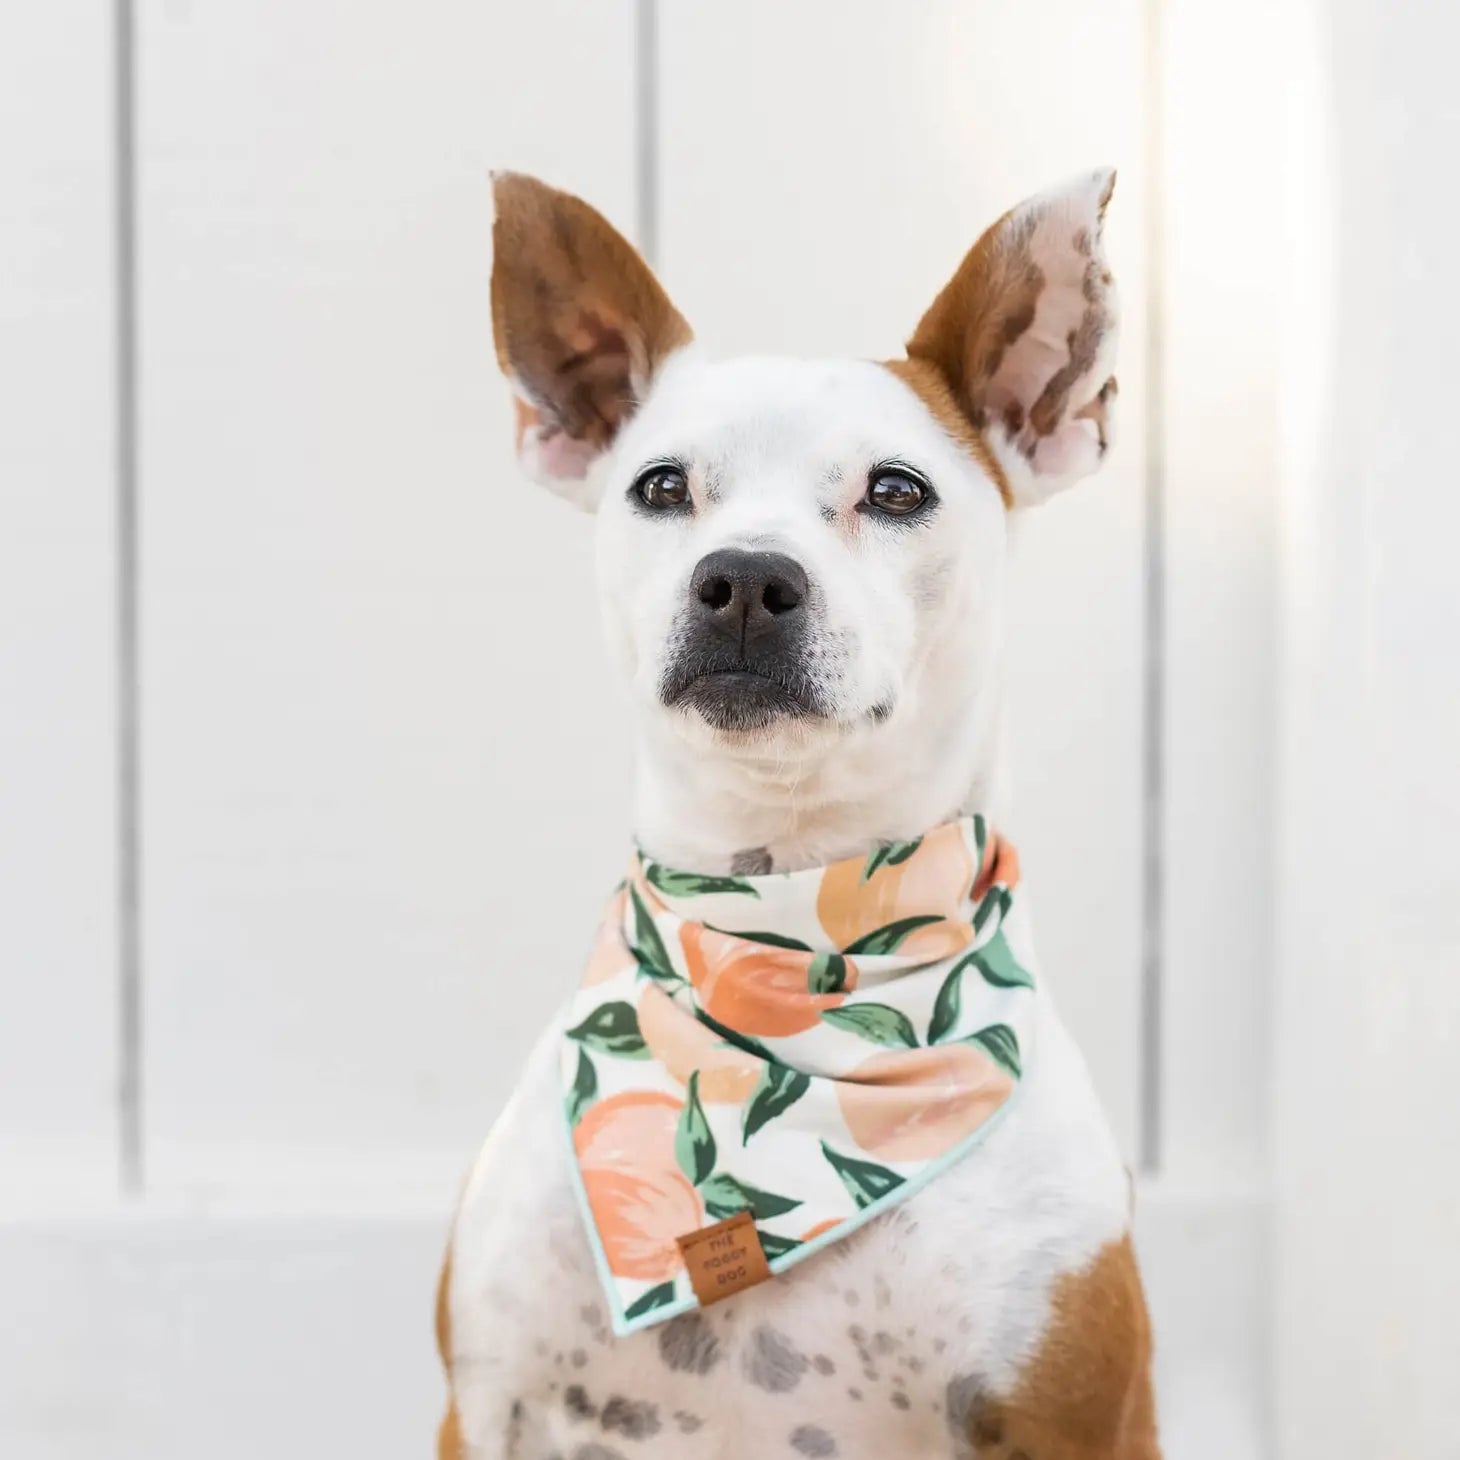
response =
{"points": [[740, 659]]}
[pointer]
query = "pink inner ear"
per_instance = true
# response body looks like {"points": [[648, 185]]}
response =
{"points": [[559, 455], [545, 451]]}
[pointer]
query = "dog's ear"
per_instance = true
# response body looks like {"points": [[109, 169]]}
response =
{"points": [[1024, 337], [581, 325]]}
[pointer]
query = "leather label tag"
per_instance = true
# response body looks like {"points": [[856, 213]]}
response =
{"points": [[723, 1259]]}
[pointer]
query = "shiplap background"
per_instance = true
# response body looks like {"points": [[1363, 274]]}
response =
{"points": [[353, 740]]}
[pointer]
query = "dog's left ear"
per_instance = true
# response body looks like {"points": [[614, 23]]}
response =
{"points": [[1024, 336], [581, 325]]}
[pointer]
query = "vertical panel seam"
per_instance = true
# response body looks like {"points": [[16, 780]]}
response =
{"points": [[646, 125], [1153, 768], [128, 724]]}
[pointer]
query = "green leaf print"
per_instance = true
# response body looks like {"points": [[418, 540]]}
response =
{"points": [[774, 1245], [747, 1042], [648, 946], [692, 884], [694, 1146], [866, 1181], [827, 974], [980, 838], [996, 899], [585, 1088], [995, 960], [613, 1029], [948, 1005], [725, 1195], [773, 940], [779, 1089], [880, 1023], [889, 854], [886, 940], [1001, 1044], [669, 982], [659, 1297]]}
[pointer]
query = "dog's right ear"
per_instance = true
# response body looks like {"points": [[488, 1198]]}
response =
{"points": [[581, 326]]}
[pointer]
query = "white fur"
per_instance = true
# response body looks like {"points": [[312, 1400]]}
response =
{"points": [[950, 1292]]}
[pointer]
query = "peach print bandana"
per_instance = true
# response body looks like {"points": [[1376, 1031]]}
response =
{"points": [[811, 1047]]}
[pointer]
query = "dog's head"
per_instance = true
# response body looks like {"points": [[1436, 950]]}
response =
{"points": [[805, 553]]}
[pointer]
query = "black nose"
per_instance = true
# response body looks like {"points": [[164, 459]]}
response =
{"points": [[748, 595]]}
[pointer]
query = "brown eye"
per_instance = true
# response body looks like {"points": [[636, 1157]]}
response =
{"points": [[896, 492], [662, 488]]}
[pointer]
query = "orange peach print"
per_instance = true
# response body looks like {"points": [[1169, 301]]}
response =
{"points": [[683, 1045], [754, 988], [917, 1104], [813, 1232], [1000, 864], [640, 1199], [936, 878]]}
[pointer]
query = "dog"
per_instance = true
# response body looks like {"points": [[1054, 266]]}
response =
{"points": [[802, 569]]}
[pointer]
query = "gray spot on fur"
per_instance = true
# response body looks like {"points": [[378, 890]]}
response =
{"points": [[853, 1297], [883, 1342], [634, 1419], [688, 1423], [752, 862], [579, 1358], [772, 1362], [812, 1440], [901, 1401], [823, 1365], [577, 1402], [964, 1398], [514, 1427], [688, 1345]]}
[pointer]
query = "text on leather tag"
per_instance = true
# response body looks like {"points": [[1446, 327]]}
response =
{"points": [[723, 1259]]}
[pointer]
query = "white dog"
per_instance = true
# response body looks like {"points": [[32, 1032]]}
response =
{"points": [[802, 570]]}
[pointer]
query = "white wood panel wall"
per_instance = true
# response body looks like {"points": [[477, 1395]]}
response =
{"points": [[1221, 490], [58, 965], [375, 710], [825, 167]]}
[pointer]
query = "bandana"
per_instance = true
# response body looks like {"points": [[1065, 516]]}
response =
{"points": [[799, 1051]]}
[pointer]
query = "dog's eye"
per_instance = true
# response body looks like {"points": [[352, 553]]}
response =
{"points": [[896, 492], [662, 488]]}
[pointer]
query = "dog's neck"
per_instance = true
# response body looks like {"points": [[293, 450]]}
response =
{"points": [[711, 811]]}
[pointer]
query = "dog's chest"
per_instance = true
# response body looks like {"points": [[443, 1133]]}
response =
{"points": [[878, 1346]]}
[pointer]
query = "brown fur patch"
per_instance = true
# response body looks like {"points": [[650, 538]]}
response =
{"points": [[448, 1438], [579, 320], [1086, 1394], [927, 382], [983, 309]]}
